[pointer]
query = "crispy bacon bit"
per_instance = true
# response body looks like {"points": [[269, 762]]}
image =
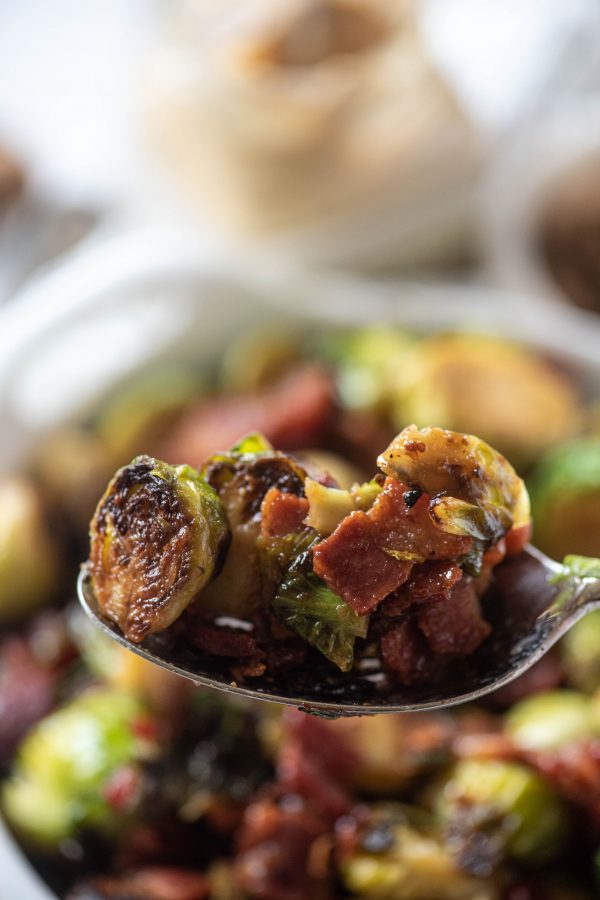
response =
{"points": [[427, 581], [356, 561], [275, 847], [405, 653], [282, 513], [224, 641], [453, 624], [291, 413], [353, 566], [411, 528], [27, 692], [153, 883], [575, 771], [305, 774], [285, 654]]}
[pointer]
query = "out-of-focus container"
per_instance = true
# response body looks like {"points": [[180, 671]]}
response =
{"points": [[546, 159], [117, 308], [319, 128]]}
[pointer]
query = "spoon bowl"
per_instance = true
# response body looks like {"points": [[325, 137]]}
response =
{"points": [[533, 601]]}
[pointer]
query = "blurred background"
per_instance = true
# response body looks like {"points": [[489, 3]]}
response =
{"points": [[381, 137]]}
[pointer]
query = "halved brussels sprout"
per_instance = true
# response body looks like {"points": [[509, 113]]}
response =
{"points": [[64, 764], [369, 364], [474, 489], [396, 861], [139, 414], [510, 807], [565, 497], [258, 358], [551, 719], [580, 653], [29, 562], [490, 387], [157, 539]]}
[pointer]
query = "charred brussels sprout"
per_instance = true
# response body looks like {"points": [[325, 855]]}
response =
{"points": [[551, 720], [28, 557], [486, 386], [475, 489], [490, 809], [61, 778], [565, 496], [157, 539], [397, 861]]}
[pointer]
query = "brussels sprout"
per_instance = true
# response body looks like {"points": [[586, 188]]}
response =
{"points": [[490, 387], [29, 562], [242, 477], [509, 807], [475, 489], [140, 412], [256, 359], [395, 861], [550, 720], [64, 764], [580, 653], [328, 506], [369, 364], [565, 497], [157, 538], [344, 473], [303, 603]]}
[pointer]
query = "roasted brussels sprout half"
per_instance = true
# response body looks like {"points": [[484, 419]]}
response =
{"points": [[580, 653], [397, 861], [369, 363], [565, 497], [489, 387], [135, 419], [257, 359], [62, 772], [157, 538], [551, 719], [490, 809], [29, 562], [474, 488]]}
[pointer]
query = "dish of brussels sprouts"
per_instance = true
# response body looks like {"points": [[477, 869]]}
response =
{"points": [[122, 781]]}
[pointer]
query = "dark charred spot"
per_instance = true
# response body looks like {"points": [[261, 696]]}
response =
{"points": [[411, 497]]}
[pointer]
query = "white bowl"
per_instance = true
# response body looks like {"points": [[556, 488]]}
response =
{"points": [[115, 308]]}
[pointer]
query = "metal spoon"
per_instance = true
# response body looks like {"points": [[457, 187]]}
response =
{"points": [[533, 602]]}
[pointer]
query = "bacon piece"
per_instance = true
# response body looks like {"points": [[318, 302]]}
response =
{"points": [[517, 538], [427, 581], [27, 692], [356, 561], [223, 641], [282, 513], [575, 771], [275, 845], [152, 883], [453, 623], [292, 414], [355, 567], [411, 528], [405, 653]]}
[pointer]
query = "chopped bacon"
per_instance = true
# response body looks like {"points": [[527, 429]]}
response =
{"points": [[285, 654], [152, 883], [546, 675], [427, 581], [356, 561], [224, 641], [275, 846], [410, 528], [353, 566], [292, 414], [453, 624], [282, 513], [27, 692], [405, 653], [305, 774]]}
